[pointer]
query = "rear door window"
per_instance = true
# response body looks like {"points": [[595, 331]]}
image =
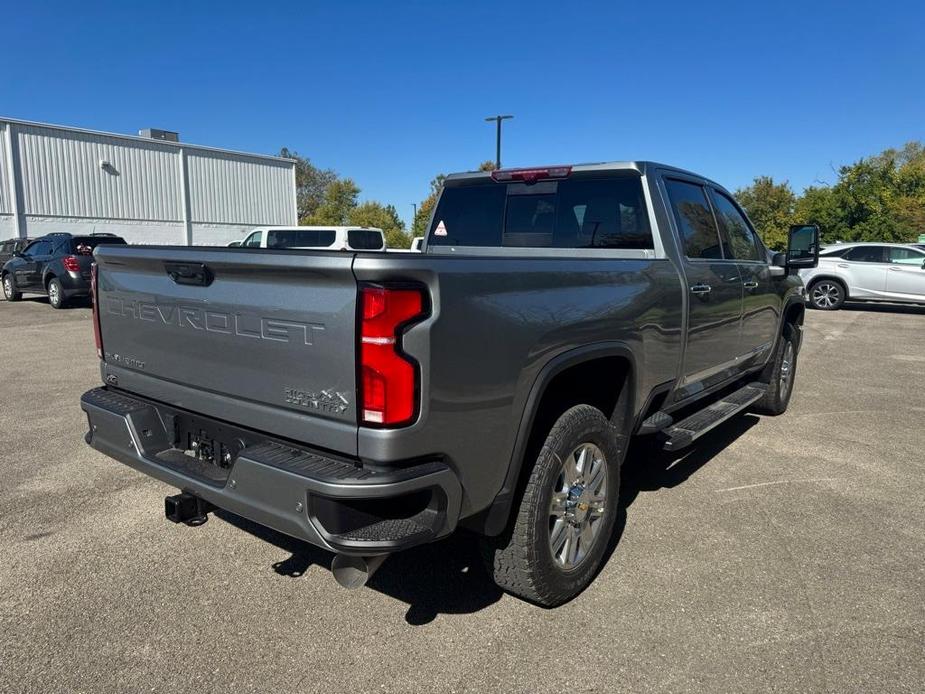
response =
{"points": [[577, 212], [866, 254], [696, 224], [364, 239], [300, 238], [38, 248]]}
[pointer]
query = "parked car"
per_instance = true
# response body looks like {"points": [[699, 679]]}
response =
{"points": [[866, 272], [370, 402], [11, 247], [57, 265], [417, 243], [334, 238]]}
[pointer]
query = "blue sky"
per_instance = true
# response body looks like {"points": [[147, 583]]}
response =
{"points": [[390, 93]]}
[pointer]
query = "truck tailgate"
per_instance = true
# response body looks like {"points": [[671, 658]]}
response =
{"points": [[258, 329]]}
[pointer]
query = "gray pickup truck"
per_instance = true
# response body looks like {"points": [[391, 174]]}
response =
{"points": [[368, 402]]}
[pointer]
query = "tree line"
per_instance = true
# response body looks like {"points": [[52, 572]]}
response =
{"points": [[323, 197], [878, 198]]}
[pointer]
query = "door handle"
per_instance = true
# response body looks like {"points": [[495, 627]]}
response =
{"points": [[701, 289], [750, 285], [895, 269], [842, 265]]}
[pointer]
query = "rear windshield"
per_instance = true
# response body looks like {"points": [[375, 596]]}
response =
{"points": [[300, 238], [572, 213], [84, 245], [364, 239]]}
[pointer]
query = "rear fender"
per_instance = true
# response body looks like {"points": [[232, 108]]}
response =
{"points": [[494, 519]]}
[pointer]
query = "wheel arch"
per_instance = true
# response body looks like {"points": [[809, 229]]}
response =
{"points": [[621, 363]]}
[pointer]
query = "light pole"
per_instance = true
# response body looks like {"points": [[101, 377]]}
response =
{"points": [[497, 120]]}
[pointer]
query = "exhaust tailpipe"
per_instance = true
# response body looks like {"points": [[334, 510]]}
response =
{"points": [[354, 572]]}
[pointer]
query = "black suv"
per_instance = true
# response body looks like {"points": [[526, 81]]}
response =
{"points": [[11, 247], [57, 265]]}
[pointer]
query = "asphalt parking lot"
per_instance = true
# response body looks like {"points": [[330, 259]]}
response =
{"points": [[779, 554]]}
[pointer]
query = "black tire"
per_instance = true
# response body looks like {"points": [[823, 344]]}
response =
{"points": [[827, 294], [9, 288], [56, 293], [522, 560], [780, 375]]}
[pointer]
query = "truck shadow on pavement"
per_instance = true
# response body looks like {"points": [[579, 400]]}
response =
{"points": [[449, 577]]}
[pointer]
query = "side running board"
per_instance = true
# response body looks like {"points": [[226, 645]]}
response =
{"points": [[688, 430]]}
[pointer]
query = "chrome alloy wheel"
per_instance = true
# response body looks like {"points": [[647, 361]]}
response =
{"points": [[826, 295], [577, 508], [786, 369], [8, 286], [54, 295]]}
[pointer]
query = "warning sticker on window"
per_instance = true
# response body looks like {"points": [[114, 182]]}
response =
{"points": [[441, 229]]}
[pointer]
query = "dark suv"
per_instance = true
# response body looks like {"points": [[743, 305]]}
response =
{"points": [[11, 247], [57, 265]]}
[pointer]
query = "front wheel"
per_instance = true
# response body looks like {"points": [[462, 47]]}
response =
{"points": [[781, 374], [9, 289], [558, 538]]}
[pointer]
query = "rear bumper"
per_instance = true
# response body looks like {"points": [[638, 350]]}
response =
{"points": [[334, 503], [74, 284]]}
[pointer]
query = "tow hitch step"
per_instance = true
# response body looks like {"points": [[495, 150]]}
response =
{"points": [[685, 432], [187, 508]]}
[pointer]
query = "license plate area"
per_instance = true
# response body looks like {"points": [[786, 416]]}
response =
{"points": [[207, 441]]}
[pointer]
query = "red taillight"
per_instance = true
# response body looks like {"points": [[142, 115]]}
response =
{"points": [[71, 264], [95, 297], [531, 175], [388, 378]]}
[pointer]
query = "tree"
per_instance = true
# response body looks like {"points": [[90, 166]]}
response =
{"points": [[310, 183], [340, 197], [770, 206], [818, 205], [487, 165], [385, 217]]}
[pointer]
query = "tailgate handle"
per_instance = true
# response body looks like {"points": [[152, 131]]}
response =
{"points": [[196, 274]]}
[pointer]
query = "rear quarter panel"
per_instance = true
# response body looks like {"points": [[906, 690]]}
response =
{"points": [[496, 323]]}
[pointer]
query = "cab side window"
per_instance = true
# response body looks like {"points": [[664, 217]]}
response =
{"points": [[699, 234], [742, 240], [252, 241]]}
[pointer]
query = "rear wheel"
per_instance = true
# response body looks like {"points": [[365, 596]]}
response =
{"points": [[827, 295], [557, 540], [9, 289], [56, 293]]}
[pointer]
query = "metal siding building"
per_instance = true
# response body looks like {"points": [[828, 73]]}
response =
{"points": [[54, 178]]}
